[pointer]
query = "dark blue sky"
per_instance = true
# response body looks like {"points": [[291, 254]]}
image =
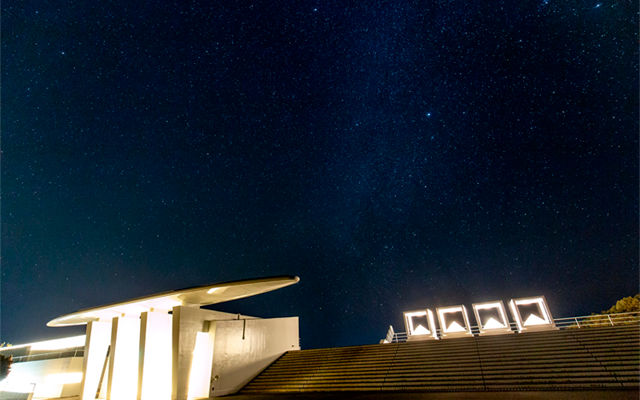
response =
{"points": [[395, 155]]}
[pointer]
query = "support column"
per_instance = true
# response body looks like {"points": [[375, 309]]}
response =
{"points": [[95, 353], [154, 381], [123, 360]]}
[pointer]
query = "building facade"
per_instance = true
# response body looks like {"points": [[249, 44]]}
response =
{"points": [[160, 347]]}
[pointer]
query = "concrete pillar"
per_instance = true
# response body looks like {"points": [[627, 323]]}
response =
{"points": [[123, 360], [95, 352], [154, 381], [184, 331]]}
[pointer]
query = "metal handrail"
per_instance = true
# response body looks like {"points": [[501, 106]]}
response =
{"points": [[587, 321], [49, 356]]}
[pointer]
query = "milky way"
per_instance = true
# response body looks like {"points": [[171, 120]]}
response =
{"points": [[394, 155]]}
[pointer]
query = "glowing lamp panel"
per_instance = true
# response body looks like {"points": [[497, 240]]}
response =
{"points": [[155, 374], [454, 321], [532, 314], [492, 318], [123, 368], [420, 325], [201, 363]]}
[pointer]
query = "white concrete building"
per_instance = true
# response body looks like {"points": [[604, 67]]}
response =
{"points": [[159, 347]]}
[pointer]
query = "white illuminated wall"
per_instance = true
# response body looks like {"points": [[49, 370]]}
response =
{"points": [[58, 377], [236, 361], [209, 350], [187, 323], [189, 354]]}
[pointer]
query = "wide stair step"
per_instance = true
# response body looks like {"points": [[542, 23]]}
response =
{"points": [[571, 359]]}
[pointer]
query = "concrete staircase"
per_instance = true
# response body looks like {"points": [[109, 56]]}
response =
{"points": [[571, 359]]}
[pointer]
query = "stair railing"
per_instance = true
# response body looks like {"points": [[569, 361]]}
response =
{"points": [[587, 321], [49, 356]]}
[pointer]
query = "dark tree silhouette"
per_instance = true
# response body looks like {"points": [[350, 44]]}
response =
{"points": [[5, 366]]}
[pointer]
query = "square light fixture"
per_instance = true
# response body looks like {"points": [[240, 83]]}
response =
{"points": [[492, 318], [454, 321], [420, 325], [532, 314]]}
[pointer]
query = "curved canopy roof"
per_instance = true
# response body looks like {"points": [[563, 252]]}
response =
{"points": [[194, 296]]}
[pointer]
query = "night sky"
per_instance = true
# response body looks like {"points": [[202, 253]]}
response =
{"points": [[395, 155]]}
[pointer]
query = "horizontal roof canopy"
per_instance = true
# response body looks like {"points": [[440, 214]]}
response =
{"points": [[194, 296]]}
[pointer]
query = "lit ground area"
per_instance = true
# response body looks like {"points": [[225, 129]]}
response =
{"points": [[550, 395]]}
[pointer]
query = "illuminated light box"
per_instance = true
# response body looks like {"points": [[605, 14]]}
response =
{"points": [[492, 318], [420, 325], [454, 321], [532, 314]]}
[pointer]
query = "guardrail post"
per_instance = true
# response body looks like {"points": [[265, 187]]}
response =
{"points": [[609, 315], [576, 318]]}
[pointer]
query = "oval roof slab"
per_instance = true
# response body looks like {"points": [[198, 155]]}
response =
{"points": [[193, 296]]}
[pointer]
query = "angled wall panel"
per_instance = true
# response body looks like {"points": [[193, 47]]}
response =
{"points": [[95, 352]]}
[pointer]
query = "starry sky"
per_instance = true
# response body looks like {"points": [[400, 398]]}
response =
{"points": [[395, 155]]}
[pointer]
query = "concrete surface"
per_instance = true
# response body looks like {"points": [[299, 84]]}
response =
{"points": [[507, 395]]}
